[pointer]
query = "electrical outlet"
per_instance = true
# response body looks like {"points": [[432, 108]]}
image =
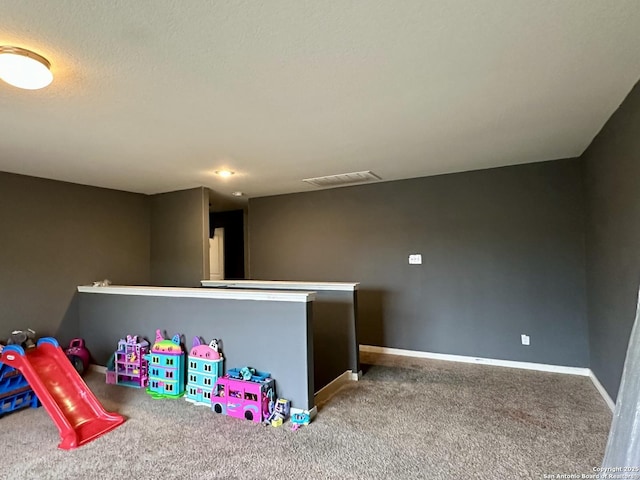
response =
{"points": [[415, 259], [526, 340]]}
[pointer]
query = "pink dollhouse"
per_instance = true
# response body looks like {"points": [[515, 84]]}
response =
{"points": [[129, 366]]}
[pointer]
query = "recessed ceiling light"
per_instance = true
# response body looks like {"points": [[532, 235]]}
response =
{"points": [[23, 68], [237, 194], [224, 173]]}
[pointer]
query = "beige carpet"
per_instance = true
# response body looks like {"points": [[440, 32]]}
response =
{"points": [[405, 419]]}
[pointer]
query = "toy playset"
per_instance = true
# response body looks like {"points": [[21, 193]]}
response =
{"points": [[128, 366], [244, 393], [166, 367], [205, 367], [280, 413], [33, 373], [74, 408]]}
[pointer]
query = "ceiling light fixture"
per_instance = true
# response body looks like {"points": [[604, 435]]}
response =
{"points": [[224, 173], [237, 194], [23, 68]]}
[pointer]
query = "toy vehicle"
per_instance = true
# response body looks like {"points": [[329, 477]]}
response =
{"points": [[249, 399], [78, 355]]}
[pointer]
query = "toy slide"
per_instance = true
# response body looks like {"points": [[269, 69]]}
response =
{"points": [[74, 408]]}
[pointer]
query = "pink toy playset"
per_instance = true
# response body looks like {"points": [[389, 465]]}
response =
{"points": [[240, 395], [128, 366], [166, 367]]}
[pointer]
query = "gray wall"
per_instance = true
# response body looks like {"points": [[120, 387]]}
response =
{"points": [[335, 339], [613, 239], [56, 236], [180, 238], [335, 343], [503, 254], [267, 335]]}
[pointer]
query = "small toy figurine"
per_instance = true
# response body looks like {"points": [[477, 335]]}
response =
{"points": [[215, 344], [247, 372], [268, 404]]}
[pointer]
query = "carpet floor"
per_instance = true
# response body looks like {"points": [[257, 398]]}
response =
{"points": [[406, 419]]}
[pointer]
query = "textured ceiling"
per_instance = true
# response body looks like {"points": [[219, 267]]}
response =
{"points": [[153, 96]]}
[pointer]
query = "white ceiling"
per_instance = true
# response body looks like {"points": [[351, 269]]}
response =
{"points": [[152, 96]]}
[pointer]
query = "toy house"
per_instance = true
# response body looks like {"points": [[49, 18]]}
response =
{"points": [[204, 368], [15, 392], [166, 367], [128, 366]]}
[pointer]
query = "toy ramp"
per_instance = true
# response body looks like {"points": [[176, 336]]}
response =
{"points": [[75, 410]]}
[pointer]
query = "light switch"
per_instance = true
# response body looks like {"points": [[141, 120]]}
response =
{"points": [[415, 259]]}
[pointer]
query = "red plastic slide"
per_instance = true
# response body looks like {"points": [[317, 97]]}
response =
{"points": [[74, 409]]}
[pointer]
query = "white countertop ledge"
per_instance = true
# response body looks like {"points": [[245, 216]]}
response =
{"points": [[282, 285], [221, 294]]}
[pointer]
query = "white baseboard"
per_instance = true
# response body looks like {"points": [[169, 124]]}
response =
{"points": [[541, 367], [312, 413], [610, 403], [323, 395], [98, 369]]}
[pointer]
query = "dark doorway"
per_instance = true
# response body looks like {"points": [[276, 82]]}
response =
{"points": [[233, 224]]}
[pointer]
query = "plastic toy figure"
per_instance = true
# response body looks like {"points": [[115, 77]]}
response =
{"points": [[247, 372], [280, 413]]}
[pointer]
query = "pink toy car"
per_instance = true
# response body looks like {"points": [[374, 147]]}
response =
{"points": [[78, 355], [239, 398]]}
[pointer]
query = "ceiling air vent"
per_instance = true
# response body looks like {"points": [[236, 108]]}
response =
{"points": [[343, 179]]}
